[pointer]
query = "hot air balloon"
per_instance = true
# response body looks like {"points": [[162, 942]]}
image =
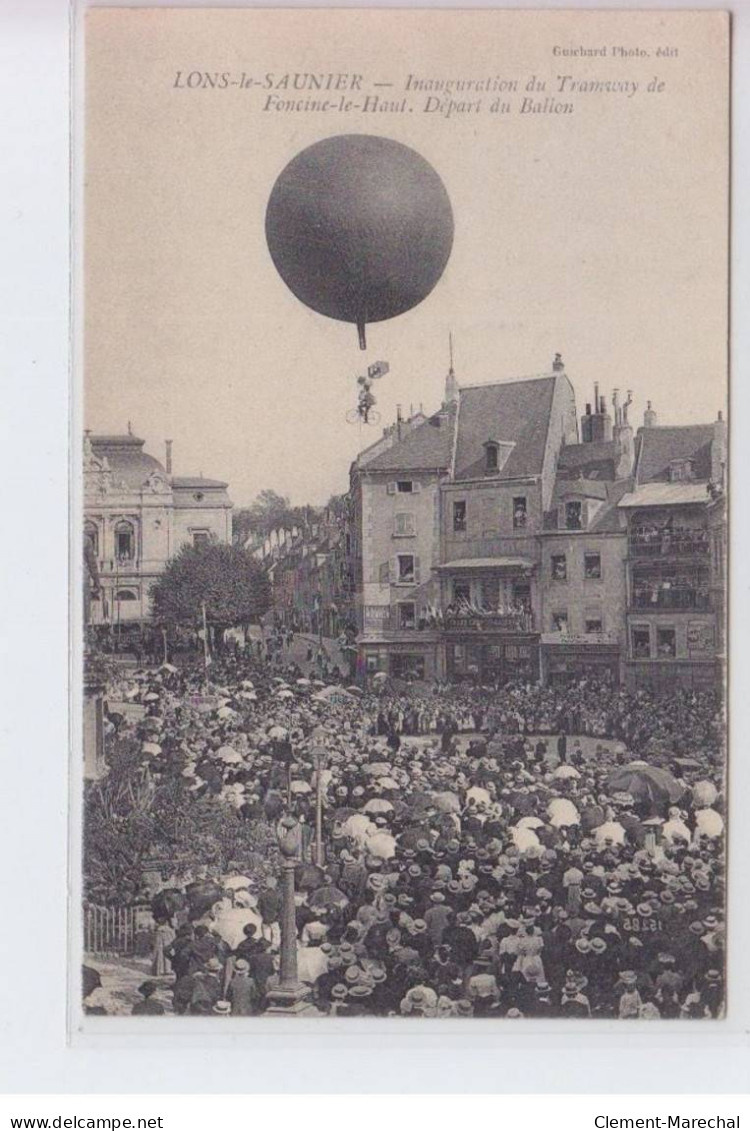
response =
{"points": [[360, 228]]}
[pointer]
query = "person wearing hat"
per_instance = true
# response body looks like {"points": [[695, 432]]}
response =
{"points": [[242, 991], [573, 1001], [438, 917]]}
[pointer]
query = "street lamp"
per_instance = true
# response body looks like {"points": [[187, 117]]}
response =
{"points": [[320, 756], [288, 995]]}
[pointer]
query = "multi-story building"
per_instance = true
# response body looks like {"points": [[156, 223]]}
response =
{"points": [[496, 541], [674, 588], [137, 515], [584, 549], [394, 539]]}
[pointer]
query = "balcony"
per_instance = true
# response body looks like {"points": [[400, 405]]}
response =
{"points": [[489, 622], [671, 599], [663, 543]]}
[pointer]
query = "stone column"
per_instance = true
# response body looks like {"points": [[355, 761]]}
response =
{"points": [[286, 994]]}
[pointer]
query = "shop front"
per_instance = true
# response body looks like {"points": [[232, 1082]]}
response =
{"points": [[493, 660], [566, 660]]}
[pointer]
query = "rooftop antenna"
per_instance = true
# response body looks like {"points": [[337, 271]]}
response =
{"points": [[450, 352]]}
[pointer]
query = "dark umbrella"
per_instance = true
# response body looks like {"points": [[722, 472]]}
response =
{"points": [[328, 896], [308, 876], [91, 980], [202, 895], [646, 783]]}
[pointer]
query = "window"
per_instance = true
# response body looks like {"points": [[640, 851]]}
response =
{"points": [[459, 517], [405, 487], [666, 643], [126, 595], [592, 567], [199, 496], [124, 542], [640, 638], [680, 470], [560, 621], [559, 567], [407, 616], [200, 538], [384, 573], [519, 513], [372, 663], [461, 591], [574, 516], [594, 624], [403, 525], [406, 572], [91, 536], [490, 457]]}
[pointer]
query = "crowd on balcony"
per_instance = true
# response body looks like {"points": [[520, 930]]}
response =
{"points": [[676, 592], [668, 538]]}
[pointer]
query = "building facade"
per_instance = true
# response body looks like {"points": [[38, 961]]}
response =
{"points": [[137, 516], [675, 578], [502, 539]]}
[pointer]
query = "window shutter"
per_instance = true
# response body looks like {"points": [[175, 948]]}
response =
{"points": [[394, 571], [416, 571], [416, 487], [391, 488]]}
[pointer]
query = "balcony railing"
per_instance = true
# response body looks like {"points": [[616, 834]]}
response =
{"points": [[489, 622], [384, 618], [672, 599], [668, 543]]}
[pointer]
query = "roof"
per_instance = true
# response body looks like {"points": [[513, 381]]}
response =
{"points": [[575, 457], [666, 495], [183, 482], [579, 488], [488, 563], [126, 457], [515, 411], [659, 446], [428, 445]]}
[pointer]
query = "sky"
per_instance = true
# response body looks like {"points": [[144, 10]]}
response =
{"points": [[599, 234]]}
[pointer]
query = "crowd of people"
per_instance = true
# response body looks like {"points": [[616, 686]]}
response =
{"points": [[514, 852]]}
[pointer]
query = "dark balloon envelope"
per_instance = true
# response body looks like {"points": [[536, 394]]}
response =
{"points": [[360, 228]]}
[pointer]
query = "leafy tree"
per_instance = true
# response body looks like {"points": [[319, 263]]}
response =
{"points": [[227, 579], [269, 511]]}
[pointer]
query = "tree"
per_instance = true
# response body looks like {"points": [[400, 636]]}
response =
{"points": [[268, 511], [226, 579]]}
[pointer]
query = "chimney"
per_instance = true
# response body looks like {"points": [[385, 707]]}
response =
{"points": [[596, 426], [719, 451], [649, 416], [558, 365], [168, 462], [622, 435]]}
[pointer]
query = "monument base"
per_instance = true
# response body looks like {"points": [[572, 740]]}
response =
{"points": [[290, 1001]]}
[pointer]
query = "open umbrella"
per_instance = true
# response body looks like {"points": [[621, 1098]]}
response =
{"points": [[230, 924], [382, 845], [249, 696], [304, 683], [300, 786], [611, 832], [354, 689], [675, 829], [247, 685], [446, 802], [284, 693], [378, 805], [562, 813], [151, 748], [278, 732], [358, 826], [379, 677], [91, 980], [530, 823], [565, 771], [646, 783], [229, 755], [236, 883], [307, 877], [328, 896], [226, 713], [709, 823], [704, 794], [525, 839], [387, 783]]}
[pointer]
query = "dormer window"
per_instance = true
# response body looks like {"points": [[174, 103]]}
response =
{"points": [[490, 456], [681, 470], [496, 455], [574, 515]]}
